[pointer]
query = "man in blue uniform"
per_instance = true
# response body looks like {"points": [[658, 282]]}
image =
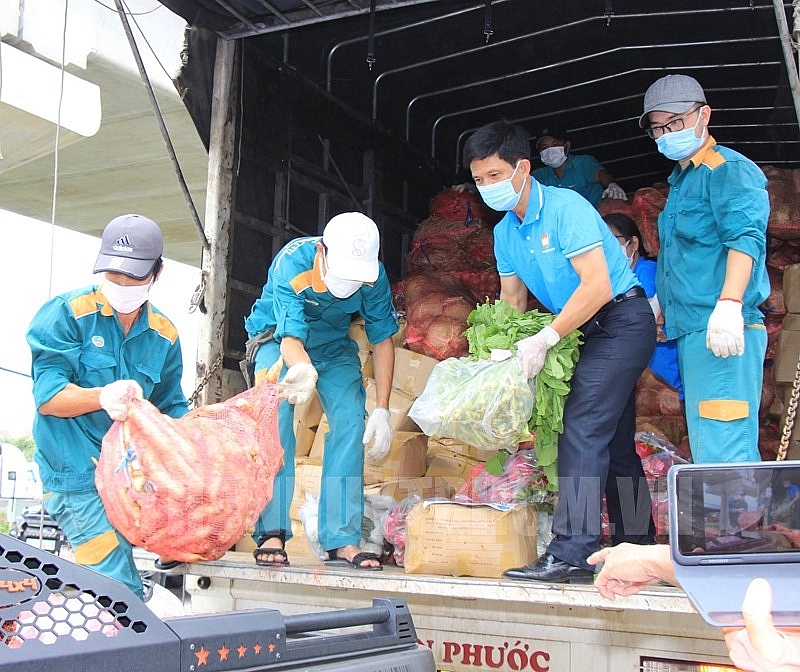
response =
{"points": [[580, 172], [712, 273], [92, 349], [554, 243], [314, 288]]}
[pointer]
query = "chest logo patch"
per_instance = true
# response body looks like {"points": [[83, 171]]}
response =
{"points": [[98, 341], [545, 240]]}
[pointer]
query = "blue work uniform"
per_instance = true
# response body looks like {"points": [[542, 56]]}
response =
{"points": [[664, 362], [719, 202], [76, 338], [580, 174], [296, 302], [596, 451]]}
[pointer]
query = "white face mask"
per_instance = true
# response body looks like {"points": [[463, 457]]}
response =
{"points": [[125, 298], [553, 156], [629, 257], [341, 289]]}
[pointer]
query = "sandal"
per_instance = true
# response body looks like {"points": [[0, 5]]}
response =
{"points": [[280, 559], [170, 566], [355, 563]]}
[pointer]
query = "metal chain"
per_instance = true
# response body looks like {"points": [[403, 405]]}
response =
{"points": [[791, 411], [204, 380]]}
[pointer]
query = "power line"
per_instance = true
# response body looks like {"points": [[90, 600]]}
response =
{"points": [[18, 373]]}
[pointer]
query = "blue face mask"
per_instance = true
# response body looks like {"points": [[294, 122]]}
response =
{"points": [[501, 196], [680, 144]]}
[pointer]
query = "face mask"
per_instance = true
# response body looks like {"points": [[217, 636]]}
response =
{"points": [[341, 289], [501, 196], [553, 156], [629, 257], [681, 144], [125, 299]]}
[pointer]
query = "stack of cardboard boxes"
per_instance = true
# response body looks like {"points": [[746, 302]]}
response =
{"points": [[787, 353], [443, 537]]}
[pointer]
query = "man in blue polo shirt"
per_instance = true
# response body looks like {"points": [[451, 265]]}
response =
{"points": [[554, 243], [314, 288], [712, 273], [92, 350]]}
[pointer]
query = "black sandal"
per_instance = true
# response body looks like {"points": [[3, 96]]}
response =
{"points": [[358, 558], [260, 553]]}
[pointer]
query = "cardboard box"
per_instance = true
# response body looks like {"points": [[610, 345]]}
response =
{"points": [[306, 420], [358, 333], [307, 479], [790, 322], [787, 351], [411, 371], [453, 539], [439, 444], [442, 462], [791, 288], [406, 459], [399, 405], [426, 487], [318, 446]]}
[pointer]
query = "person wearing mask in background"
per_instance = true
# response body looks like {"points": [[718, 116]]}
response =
{"points": [[314, 287], [580, 172], [664, 362], [712, 274], [554, 243], [758, 647], [93, 350]]}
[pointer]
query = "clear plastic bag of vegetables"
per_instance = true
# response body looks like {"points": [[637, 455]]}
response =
{"points": [[483, 403]]}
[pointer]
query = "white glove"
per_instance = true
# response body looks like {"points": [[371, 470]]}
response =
{"points": [[725, 332], [378, 435], [613, 190], [115, 397], [532, 350], [298, 384]]}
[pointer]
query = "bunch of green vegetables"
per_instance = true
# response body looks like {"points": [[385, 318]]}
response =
{"points": [[499, 326]]}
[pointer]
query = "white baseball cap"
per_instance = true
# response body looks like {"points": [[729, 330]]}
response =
{"points": [[352, 243]]}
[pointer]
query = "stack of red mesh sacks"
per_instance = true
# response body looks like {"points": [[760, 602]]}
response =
{"points": [[657, 405], [451, 268]]}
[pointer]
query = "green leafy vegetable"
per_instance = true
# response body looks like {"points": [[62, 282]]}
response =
{"points": [[499, 326]]}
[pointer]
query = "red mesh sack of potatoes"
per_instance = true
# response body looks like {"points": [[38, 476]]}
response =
{"points": [[190, 488]]}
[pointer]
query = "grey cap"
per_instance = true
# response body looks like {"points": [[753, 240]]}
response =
{"points": [[672, 93], [131, 245]]}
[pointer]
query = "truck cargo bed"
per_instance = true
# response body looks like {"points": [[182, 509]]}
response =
{"points": [[470, 623]]}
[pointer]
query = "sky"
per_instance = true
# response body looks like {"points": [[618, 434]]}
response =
{"points": [[38, 261]]}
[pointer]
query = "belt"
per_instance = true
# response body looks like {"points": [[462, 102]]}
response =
{"points": [[633, 293]]}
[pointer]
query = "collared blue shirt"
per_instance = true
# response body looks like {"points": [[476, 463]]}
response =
{"points": [[719, 202], [580, 174], [296, 302], [558, 226], [76, 338]]}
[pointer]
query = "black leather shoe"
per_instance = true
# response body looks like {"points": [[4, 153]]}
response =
{"points": [[549, 568]]}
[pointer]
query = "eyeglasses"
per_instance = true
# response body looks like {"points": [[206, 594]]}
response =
{"points": [[672, 126]]}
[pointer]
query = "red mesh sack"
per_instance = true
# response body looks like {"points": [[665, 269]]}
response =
{"points": [[646, 205], [783, 185], [460, 204], [449, 249], [190, 488]]}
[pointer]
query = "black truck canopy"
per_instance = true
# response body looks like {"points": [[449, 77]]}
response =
{"points": [[441, 69], [324, 106]]}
